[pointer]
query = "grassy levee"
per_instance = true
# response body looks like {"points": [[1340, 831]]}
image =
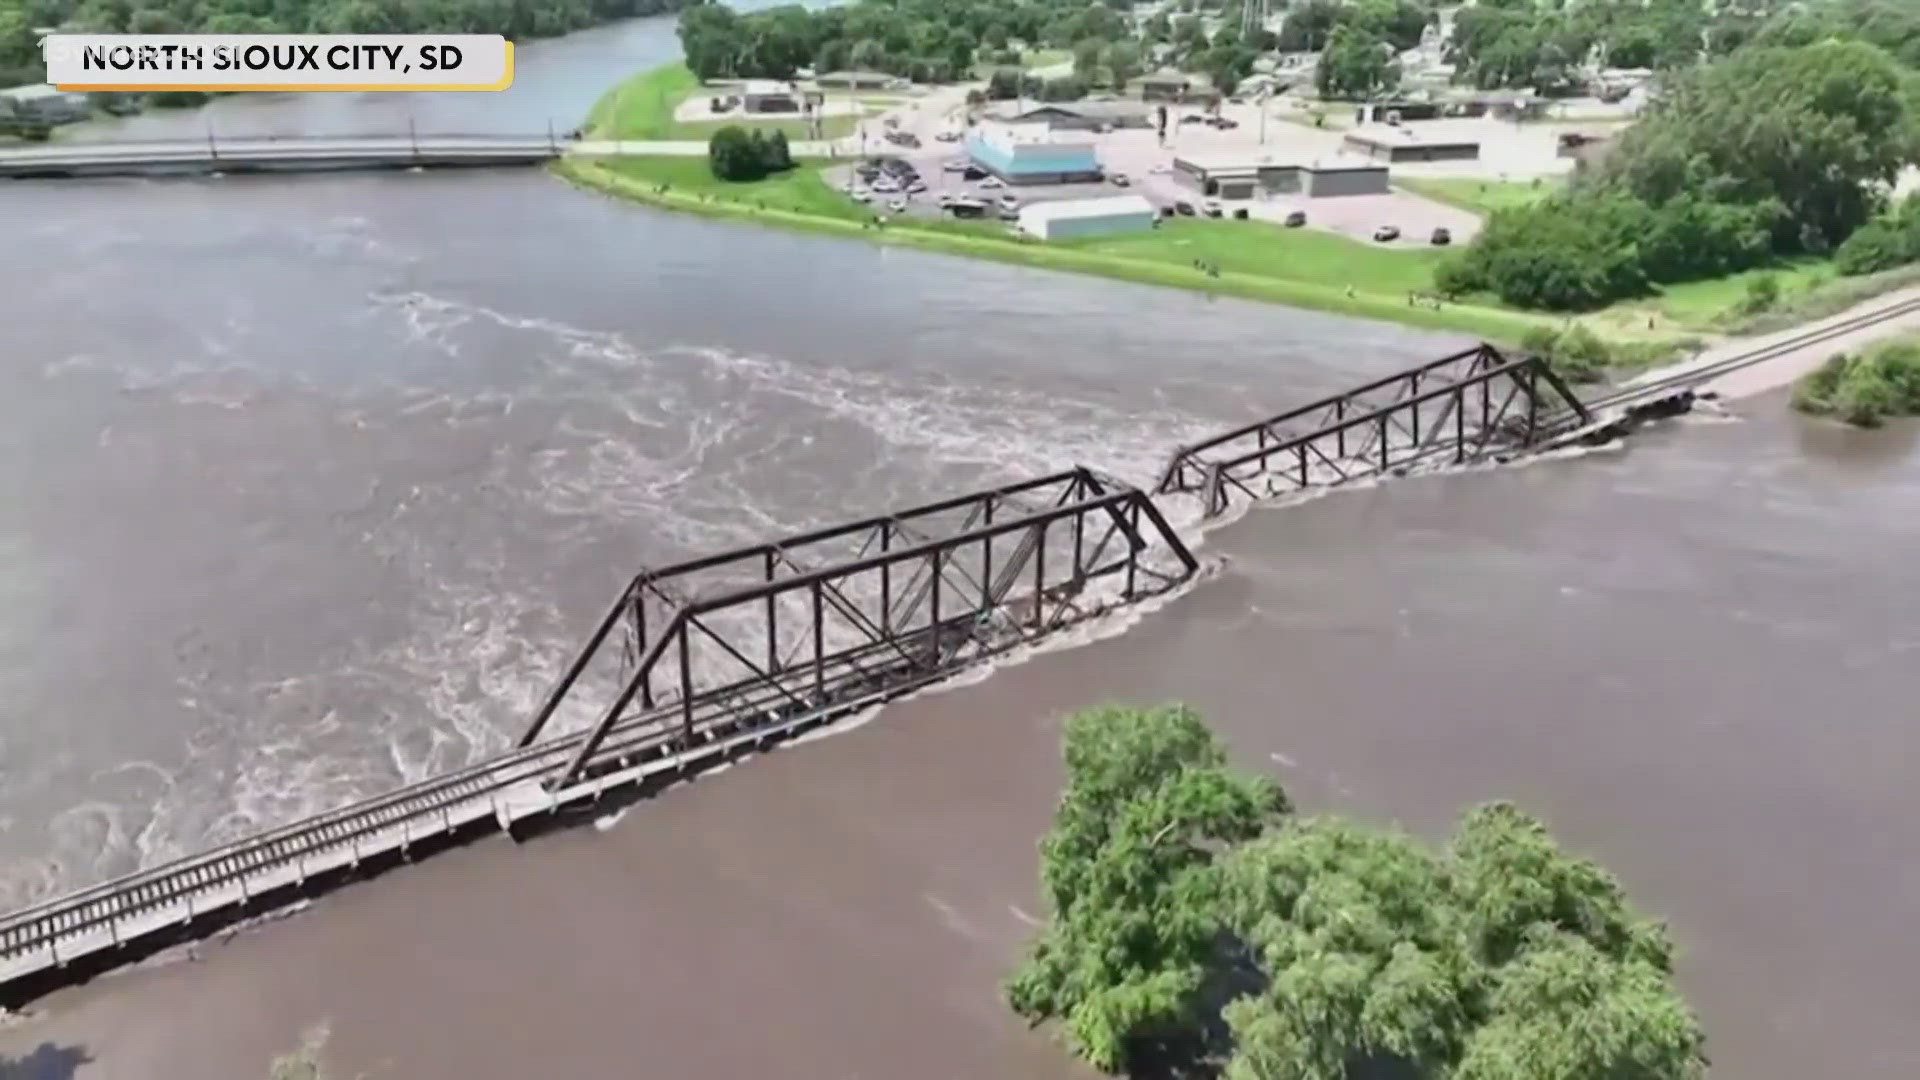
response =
{"points": [[1255, 260]]}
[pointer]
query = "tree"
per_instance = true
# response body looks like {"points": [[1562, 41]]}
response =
{"points": [[1356, 64], [1125, 61], [1227, 65], [1834, 130], [1184, 893], [1129, 868], [736, 155], [1308, 26], [1086, 58]]}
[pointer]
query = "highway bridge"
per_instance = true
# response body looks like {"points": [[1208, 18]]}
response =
{"points": [[271, 153]]}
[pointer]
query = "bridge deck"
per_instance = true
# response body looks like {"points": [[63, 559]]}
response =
{"points": [[276, 153]]}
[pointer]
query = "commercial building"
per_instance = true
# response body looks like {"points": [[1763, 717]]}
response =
{"points": [[858, 80], [1031, 154], [1173, 86], [1393, 143], [42, 104], [1489, 104], [1068, 218], [768, 96], [1083, 115], [1230, 177]]}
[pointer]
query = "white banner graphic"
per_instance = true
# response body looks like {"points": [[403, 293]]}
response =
{"points": [[228, 62]]}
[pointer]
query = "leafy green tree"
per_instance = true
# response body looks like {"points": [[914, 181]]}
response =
{"points": [[1833, 131], [1308, 25], [1130, 871], [1355, 64], [1087, 57], [1125, 61], [735, 154], [1227, 66], [1184, 894]]}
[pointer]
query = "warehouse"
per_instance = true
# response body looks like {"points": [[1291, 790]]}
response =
{"points": [[1232, 177], [1066, 219], [1030, 154], [1084, 116], [1392, 143]]}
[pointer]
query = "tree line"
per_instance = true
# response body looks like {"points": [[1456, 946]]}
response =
{"points": [[1196, 919], [1775, 151]]}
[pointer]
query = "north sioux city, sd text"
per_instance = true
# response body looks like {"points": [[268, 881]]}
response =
{"points": [[274, 58]]}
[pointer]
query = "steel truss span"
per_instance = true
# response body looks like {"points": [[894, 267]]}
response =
{"points": [[1448, 411], [707, 659], [691, 664]]}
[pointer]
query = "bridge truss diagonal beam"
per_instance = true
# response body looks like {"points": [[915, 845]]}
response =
{"points": [[1458, 408], [890, 602]]}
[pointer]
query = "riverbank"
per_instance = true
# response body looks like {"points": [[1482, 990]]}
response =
{"points": [[803, 200]]}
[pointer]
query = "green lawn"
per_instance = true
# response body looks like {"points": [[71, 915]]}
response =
{"points": [[1254, 259], [1262, 249], [1480, 196], [642, 108], [1703, 304]]}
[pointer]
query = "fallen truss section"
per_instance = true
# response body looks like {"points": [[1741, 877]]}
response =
{"points": [[1454, 409]]}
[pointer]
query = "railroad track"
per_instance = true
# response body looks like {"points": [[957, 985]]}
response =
{"points": [[1685, 380]]}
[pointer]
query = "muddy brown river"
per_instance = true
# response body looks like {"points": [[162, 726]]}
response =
{"points": [[310, 484]]}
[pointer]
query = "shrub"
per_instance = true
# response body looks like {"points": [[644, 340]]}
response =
{"points": [[736, 154], [1561, 254], [1004, 84], [1865, 389], [1889, 240], [1576, 354], [1762, 293]]}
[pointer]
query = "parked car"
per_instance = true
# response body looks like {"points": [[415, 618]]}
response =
{"points": [[916, 186], [897, 206], [991, 182], [1183, 208], [945, 200], [1008, 202], [1212, 208], [1442, 237], [1296, 219], [1386, 233], [1119, 179], [956, 166], [1193, 118], [859, 195], [886, 185], [1223, 123], [948, 136]]}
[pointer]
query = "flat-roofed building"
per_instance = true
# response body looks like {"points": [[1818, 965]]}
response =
{"points": [[1226, 176], [768, 96], [1064, 219], [1083, 115], [1392, 143], [1031, 154]]}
